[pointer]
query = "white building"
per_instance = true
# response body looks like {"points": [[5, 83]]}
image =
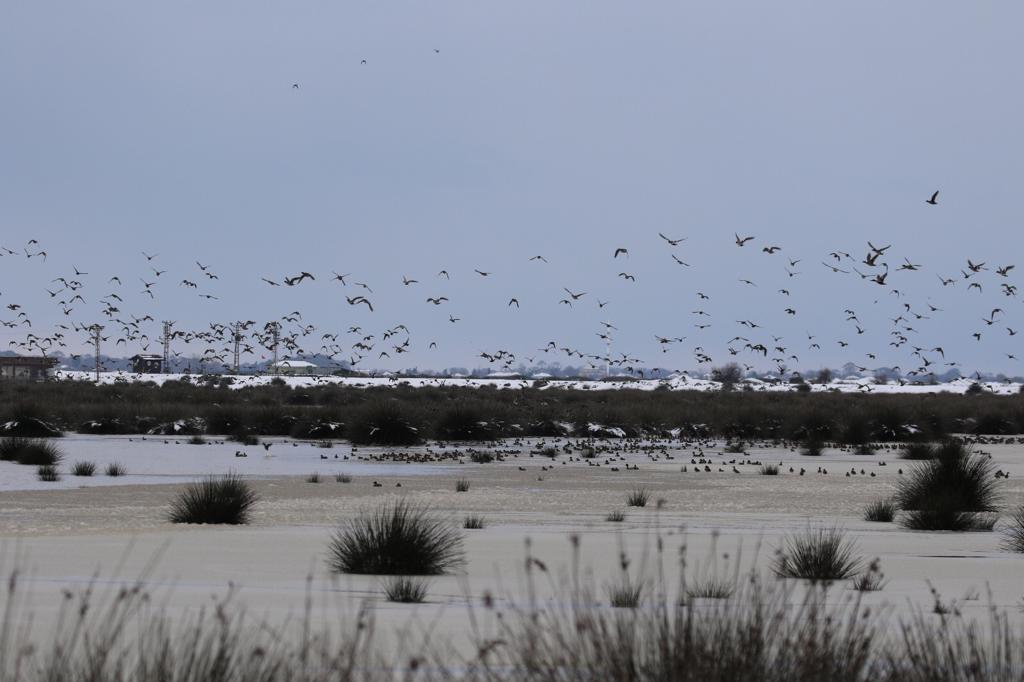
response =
{"points": [[294, 367]]}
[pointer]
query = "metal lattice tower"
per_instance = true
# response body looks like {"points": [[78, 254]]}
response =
{"points": [[275, 334], [167, 344], [97, 330], [236, 336]]}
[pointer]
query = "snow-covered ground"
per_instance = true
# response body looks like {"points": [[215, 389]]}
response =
{"points": [[677, 383]]}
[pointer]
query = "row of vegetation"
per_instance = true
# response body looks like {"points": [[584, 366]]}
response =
{"points": [[402, 415], [712, 629]]}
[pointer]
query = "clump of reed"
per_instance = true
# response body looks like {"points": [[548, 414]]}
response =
{"points": [[881, 511], [224, 499], [956, 491], [405, 589], [818, 554], [638, 497], [397, 538], [83, 468], [474, 522], [30, 451]]}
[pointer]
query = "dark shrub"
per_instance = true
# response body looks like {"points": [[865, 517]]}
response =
{"points": [[382, 424], [34, 452], [244, 437], [821, 554], [919, 451], [944, 514], [545, 428], [318, 430], [396, 539], [405, 590], [946, 493], [812, 447], [615, 517], [464, 423], [224, 500], [30, 427], [461, 485], [769, 470], [478, 457], [10, 447], [83, 469], [313, 477], [105, 426], [342, 478]]}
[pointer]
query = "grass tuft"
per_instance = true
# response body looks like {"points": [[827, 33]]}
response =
{"points": [[461, 485], [711, 588], [405, 589], [48, 473], [626, 593], [215, 500], [313, 477], [397, 538], [473, 522], [882, 511], [116, 469], [769, 469], [83, 468], [817, 554], [638, 498], [615, 517], [342, 478]]}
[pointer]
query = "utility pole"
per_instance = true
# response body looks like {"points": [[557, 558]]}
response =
{"points": [[167, 345], [97, 330]]}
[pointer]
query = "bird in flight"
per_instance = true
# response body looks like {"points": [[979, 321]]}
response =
{"points": [[292, 281], [539, 258], [481, 273], [622, 251], [771, 249], [149, 257], [740, 241], [934, 200], [672, 242], [575, 297]]}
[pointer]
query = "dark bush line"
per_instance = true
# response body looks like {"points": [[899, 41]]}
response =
{"points": [[373, 415]]}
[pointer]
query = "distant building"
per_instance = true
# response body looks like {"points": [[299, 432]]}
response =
{"points": [[147, 364], [27, 368], [295, 367]]}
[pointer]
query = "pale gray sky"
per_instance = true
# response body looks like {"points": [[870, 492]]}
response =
{"points": [[565, 129]]}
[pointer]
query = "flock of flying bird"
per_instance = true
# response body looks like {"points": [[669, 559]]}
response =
{"points": [[356, 348]]}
